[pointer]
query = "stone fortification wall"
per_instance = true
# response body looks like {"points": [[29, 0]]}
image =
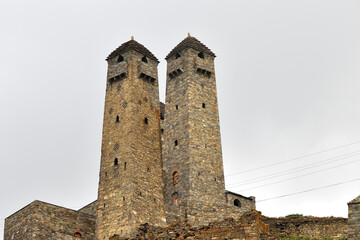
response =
{"points": [[90, 208], [308, 227], [249, 226], [40, 221], [354, 219]]}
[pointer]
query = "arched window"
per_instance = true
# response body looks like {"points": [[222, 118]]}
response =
{"points": [[175, 199], [201, 55], [144, 59], [237, 203], [77, 234], [175, 178]]}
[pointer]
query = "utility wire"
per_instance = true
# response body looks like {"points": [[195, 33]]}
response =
{"points": [[284, 180], [296, 169], [309, 190], [293, 159]]}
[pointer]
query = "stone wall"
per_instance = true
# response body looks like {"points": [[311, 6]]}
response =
{"points": [[40, 220], [249, 227], [354, 219], [90, 208], [308, 227]]}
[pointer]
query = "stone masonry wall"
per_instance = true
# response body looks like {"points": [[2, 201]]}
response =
{"points": [[354, 219], [308, 227], [90, 208], [248, 227], [192, 145], [131, 185], [40, 221]]}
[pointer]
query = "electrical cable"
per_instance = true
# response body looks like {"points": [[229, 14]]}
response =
{"points": [[284, 180], [290, 171], [308, 190], [293, 159]]}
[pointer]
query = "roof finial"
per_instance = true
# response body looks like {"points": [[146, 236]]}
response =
{"points": [[189, 34], [132, 37]]}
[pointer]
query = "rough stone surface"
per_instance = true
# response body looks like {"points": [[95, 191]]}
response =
{"points": [[308, 227], [354, 219], [40, 221], [91, 208], [131, 185], [248, 227], [191, 139]]}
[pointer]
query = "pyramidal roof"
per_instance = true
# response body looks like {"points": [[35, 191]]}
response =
{"points": [[190, 42], [356, 200], [132, 45]]}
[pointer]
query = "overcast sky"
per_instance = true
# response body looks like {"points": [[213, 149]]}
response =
{"points": [[287, 78]]}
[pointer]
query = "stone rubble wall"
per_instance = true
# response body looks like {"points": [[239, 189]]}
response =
{"points": [[354, 221], [40, 221], [248, 227], [308, 227]]}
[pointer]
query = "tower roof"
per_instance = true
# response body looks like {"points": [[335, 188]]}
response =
{"points": [[190, 42], [132, 45]]}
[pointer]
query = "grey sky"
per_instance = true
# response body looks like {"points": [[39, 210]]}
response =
{"points": [[287, 77]]}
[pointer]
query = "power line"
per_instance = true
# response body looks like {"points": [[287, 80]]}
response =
{"points": [[293, 159], [290, 171], [284, 180], [309, 190]]}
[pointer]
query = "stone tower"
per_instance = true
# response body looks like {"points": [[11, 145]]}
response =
{"points": [[131, 185], [192, 156]]}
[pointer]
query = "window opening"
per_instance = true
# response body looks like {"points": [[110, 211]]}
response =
{"points": [[177, 55], [120, 58], [175, 199], [162, 130], [146, 121], [175, 178], [148, 169], [176, 142], [124, 165], [77, 234], [116, 162], [117, 118], [201, 55], [177, 107], [237, 203], [144, 59], [162, 116], [203, 105], [123, 198]]}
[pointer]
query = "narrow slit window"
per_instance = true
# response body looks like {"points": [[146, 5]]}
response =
{"points": [[177, 107], [203, 105], [124, 165], [162, 131], [117, 119], [176, 142], [175, 199], [146, 121], [116, 162], [175, 178], [144, 59]]}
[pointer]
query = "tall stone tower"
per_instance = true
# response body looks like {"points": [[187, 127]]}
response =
{"points": [[192, 156], [131, 185]]}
